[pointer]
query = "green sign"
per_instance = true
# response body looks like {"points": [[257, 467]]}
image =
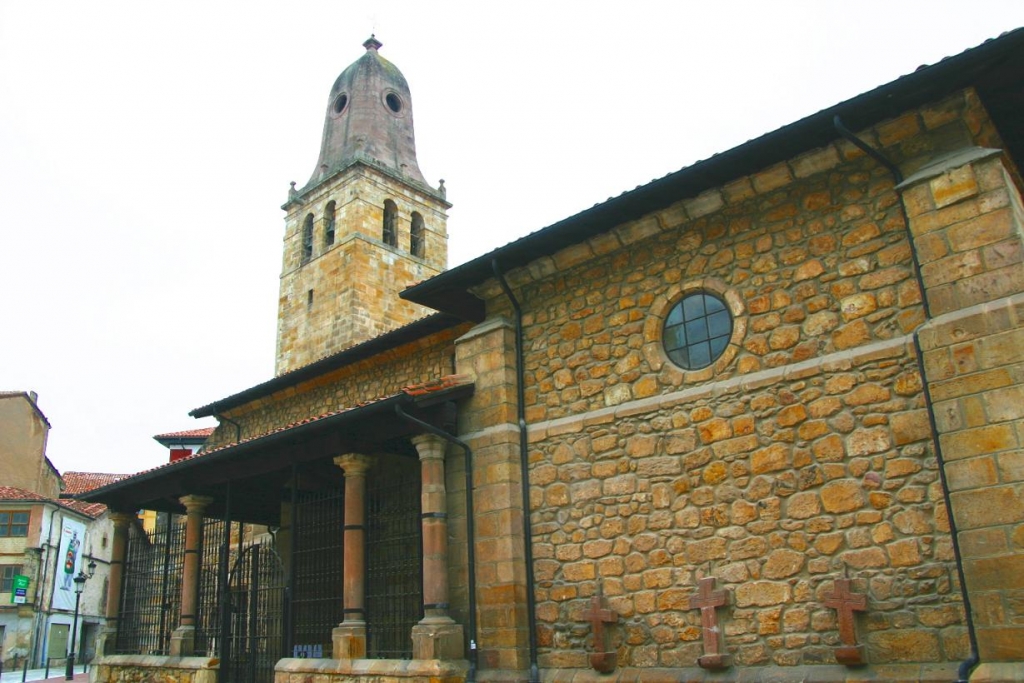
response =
{"points": [[19, 589]]}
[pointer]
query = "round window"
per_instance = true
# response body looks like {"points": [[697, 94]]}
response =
{"points": [[697, 330], [340, 103]]}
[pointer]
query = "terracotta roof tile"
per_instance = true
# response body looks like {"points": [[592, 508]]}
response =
{"points": [[80, 482], [12, 493], [430, 386], [187, 434]]}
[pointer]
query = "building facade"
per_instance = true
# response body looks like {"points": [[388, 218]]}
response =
{"points": [[756, 420], [46, 539]]}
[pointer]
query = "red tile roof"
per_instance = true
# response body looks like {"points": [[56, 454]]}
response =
{"points": [[80, 482], [187, 434], [12, 493], [423, 388]]}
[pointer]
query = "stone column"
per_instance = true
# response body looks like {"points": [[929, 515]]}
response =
{"points": [[349, 637], [437, 636], [183, 638], [967, 219], [108, 636]]}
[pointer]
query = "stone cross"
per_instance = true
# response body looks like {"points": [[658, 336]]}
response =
{"points": [[845, 602], [602, 659], [706, 599]]}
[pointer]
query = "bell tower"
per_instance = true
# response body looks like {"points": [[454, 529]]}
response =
{"points": [[365, 226]]}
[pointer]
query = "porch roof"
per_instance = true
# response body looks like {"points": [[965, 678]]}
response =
{"points": [[258, 468]]}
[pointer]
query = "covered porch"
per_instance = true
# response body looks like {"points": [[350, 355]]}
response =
{"points": [[323, 545]]}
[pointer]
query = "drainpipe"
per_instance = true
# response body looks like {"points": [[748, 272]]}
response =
{"points": [[238, 427], [470, 532], [524, 468], [973, 659], [42, 616]]}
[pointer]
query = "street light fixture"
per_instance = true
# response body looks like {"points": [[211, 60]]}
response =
{"points": [[69, 671]]}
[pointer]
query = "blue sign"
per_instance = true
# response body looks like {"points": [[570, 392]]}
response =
{"points": [[308, 651]]}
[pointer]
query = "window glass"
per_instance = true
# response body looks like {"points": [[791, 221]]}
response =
{"points": [[7, 573], [14, 523], [697, 330]]}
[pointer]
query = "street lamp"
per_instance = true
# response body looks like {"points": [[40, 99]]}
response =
{"points": [[69, 672]]}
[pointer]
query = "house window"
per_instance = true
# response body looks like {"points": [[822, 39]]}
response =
{"points": [[13, 523], [416, 243], [697, 330], [7, 573], [329, 224], [390, 233], [307, 238]]}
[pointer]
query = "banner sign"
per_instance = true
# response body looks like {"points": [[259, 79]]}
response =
{"points": [[69, 563]]}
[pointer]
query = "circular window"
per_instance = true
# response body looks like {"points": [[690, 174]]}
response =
{"points": [[340, 102], [697, 330], [394, 102]]}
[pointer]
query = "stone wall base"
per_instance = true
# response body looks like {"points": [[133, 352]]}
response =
{"points": [[370, 670], [118, 668], [998, 672], [824, 673]]}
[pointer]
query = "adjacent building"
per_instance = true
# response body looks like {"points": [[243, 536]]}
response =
{"points": [[46, 539]]}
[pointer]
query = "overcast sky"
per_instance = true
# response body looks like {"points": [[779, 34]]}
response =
{"points": [[146, 149]]}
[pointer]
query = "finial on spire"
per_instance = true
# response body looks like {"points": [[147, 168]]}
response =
{"points": [[372, 43]]}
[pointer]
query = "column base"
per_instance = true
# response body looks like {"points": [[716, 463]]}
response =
{"points": [[349, 640], [850, 655], [713, 662], [438, 641], [106, 641], [183, 641]]}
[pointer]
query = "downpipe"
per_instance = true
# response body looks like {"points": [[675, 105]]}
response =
{"points": [[974, 658], [524, 469]]}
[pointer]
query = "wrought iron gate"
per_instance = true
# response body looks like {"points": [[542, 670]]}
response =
{"points": [[394, 558], [256, 598], [151, 591]]}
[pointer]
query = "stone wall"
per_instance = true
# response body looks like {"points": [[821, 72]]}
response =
{"points": [[385, 374], [153, 669], [803, 455], [776, 483]]}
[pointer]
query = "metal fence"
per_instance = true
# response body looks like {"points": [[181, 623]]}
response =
{"points": [[394, 584], [151, 586]]}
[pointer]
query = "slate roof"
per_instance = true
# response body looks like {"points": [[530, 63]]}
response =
{"points": [[995, 68]]}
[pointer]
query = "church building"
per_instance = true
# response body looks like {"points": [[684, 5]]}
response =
{"points": [[759, 419]]}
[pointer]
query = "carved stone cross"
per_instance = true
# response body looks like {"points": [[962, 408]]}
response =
{"points": [[706, 599], [602, 659], [845, 602]]}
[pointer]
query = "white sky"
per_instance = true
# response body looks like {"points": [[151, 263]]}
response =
{"points": [[146, 148]]}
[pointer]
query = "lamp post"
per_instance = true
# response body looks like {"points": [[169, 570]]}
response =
{"points": [[69, 672]]}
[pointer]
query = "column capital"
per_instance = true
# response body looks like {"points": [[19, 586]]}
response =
{"points": [[195, 503], [122, 519], [354, 464], [429, 446]]}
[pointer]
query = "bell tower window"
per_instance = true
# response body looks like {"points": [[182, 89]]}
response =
{"points": [[390, 234], [307, 238], [329, 224], [416, 243]]}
